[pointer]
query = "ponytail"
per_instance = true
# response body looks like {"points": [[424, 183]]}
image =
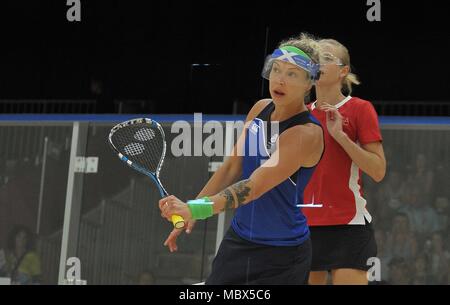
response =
{"points": [[350, 80]]}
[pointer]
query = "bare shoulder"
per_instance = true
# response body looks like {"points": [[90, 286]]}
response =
{"points": [[257, 108], [308, 133], [307, 143]]}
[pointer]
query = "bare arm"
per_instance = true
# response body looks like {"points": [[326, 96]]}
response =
{"points": [[369, 158], [231, 170], [228, 173], [295, 147]]}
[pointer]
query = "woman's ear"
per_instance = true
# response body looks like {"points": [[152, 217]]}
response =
{"points": [[345, 71]]}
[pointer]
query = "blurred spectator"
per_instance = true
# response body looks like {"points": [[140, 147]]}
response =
{"points": [[22, 263], [422, 175], [438, 258], [399, 272], [423, 219], [18, 198], [390, 198], [442, 176], [401, 240], [393, 190], [145, 278], [441, 206], [421, 271]]}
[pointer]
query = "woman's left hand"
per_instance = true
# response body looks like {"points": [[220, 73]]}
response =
{"points": [[171, 205]]}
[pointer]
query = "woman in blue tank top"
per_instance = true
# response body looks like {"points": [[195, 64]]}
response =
{"points": [[264, 178]]}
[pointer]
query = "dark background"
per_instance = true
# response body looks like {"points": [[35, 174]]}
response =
{"points": [[145, 50]]}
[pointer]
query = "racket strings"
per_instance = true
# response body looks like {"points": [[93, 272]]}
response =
{"points": [[141, 144]]}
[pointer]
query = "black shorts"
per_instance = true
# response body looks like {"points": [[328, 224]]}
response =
{"points": [[240, 262], [342, 246]]}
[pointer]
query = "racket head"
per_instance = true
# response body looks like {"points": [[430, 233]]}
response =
{"points": [[140, 143]]}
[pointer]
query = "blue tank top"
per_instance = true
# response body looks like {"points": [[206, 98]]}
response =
{"points": [[274, 218]]}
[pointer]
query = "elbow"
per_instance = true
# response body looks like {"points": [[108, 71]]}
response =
{"points": [[377, 178], [379, 175]]}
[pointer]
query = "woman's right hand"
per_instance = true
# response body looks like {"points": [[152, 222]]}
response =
{"points": [[171, 240]]}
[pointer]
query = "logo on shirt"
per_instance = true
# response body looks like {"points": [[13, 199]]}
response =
{"points": [[345, 121], [254, 128]]}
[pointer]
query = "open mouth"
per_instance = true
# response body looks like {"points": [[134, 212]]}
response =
{"points": [[278, 93]]}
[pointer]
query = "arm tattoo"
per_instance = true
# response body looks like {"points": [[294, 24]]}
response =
{"points": [[242, 190], [236, 194], [229, 199]]}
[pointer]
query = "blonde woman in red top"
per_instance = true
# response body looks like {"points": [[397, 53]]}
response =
{"points": [[341, 231]]}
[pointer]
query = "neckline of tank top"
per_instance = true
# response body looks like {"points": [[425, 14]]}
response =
{"points": [[338, 105], [303, 113]]}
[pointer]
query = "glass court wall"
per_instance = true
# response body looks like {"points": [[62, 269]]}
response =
{"points": [[62, 185]]}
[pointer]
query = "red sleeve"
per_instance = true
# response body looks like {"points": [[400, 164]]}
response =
{"points": [[368, 127]]}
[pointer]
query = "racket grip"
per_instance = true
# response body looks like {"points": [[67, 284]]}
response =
{"points": [[178, 221]]}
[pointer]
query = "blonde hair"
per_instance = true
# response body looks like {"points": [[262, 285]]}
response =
{"points": [[351, 78], [307, 43]]}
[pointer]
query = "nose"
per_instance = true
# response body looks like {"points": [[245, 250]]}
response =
{"points": [[280, 79]]}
